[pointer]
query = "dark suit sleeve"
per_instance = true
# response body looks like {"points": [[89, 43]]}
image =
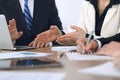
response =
{"points": [[54, 18], [109, 39]]}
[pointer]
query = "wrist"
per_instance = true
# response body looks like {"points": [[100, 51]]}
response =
{"points": [[98, 44]]}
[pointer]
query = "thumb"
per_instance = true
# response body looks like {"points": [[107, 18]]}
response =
{"points": [[53, 27], [92, 45], [20, 34]]}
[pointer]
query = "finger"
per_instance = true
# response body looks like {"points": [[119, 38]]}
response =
{"points": [[88, 47], [38, 45], [81, 41], [69, 41], [20, 34], [59, 39], [10, 24], [10, 29], [81, 44], [53, 27], [30, 44], [79, 49], [41, 34], [61, 42], [62, 38], [76, 28], [41, 41], [47, 45], [92, 45], [13, 23], [42, 45], [34, 44]]}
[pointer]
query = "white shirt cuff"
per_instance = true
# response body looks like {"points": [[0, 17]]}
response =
{"points": [[50, 44], [99, 44]]}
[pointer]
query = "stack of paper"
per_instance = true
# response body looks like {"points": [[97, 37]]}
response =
{"points": [[106, 69], [64, 48], [16, 75], [22, 54], [78, 56]]}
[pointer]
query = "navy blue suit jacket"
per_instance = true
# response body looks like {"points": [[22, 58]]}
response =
{"points": [[45, 15]]}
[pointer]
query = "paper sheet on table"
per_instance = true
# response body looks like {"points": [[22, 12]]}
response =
{"points": [[64, 48], [106, 69], [78, 56], [16, 75], [22, 54]]}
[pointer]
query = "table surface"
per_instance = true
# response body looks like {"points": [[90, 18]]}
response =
{"points": [[71, 67]]}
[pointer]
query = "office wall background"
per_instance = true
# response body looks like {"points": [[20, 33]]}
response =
{"points": [[69, 11]]}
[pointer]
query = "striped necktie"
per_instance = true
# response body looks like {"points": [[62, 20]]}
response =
{"points": [[27, 15]]}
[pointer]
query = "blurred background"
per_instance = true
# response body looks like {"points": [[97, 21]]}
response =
{"points": [[69, 11]]}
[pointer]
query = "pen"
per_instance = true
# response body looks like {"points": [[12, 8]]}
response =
{"points": [[89, 37], [61, 55], [88, 40]]}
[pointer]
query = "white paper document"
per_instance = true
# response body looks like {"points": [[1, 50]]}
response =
{"points": [[64, 48], [78, 56], [106, 69], [22, 54], [16, 75]]}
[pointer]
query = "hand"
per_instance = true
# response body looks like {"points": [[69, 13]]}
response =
{"points": [[38, 44], [71, 38], [13, 30], [49, 35], [109, 49], [90, 47]]}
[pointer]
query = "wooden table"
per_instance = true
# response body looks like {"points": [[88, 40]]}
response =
{"points": [[71, 67]]}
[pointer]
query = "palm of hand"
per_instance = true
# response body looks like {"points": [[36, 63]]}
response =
{"points": [[53, 34], [49, 35], [71, 38], [15, 35], [13, 30]]}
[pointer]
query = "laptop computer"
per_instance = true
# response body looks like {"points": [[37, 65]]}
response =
{"points": [[5, 39]]}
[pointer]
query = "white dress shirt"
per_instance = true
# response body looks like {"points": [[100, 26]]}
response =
{"points": [[30, 5]]}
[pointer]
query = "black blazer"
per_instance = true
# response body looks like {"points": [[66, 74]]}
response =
{"points": [[109, 39], [45, 14]]}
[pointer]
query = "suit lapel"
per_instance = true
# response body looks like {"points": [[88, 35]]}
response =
{"points": [[109, 15], [17, 12], [90, 18], [18, 15], [37, 15]]}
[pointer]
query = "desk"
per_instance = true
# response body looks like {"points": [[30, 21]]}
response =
{"points": [[71, 67]]}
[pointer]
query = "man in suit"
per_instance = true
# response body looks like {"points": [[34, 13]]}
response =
{"points": [[44, 14]]}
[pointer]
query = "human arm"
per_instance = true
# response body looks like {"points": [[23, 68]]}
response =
{"points": [[109, 49], [53, 20]]}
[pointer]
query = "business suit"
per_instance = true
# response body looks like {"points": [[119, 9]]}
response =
{"points": [[110, 26], [45, 15]]}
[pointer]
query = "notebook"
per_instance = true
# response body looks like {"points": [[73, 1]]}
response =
{"points": [[5, 39]]}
